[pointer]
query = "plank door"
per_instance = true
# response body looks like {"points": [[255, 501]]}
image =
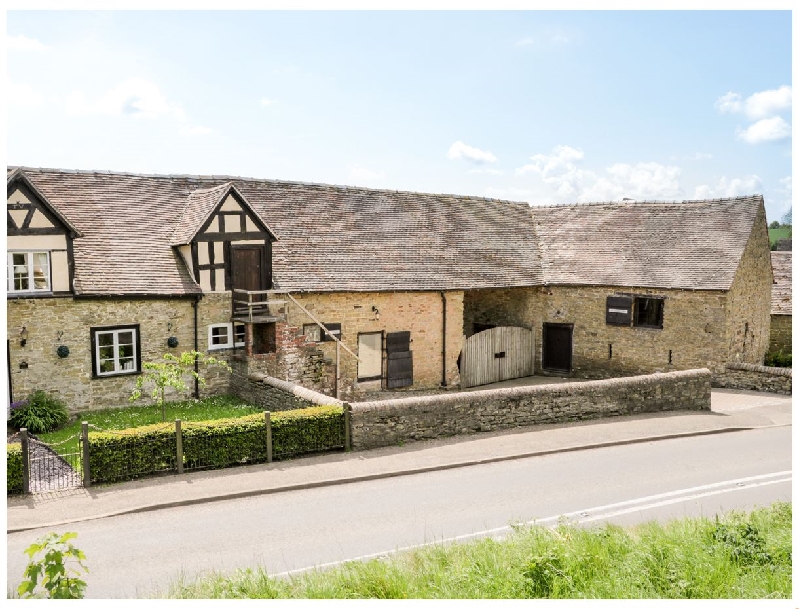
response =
{"points": [[556, 347], [399, 360]]}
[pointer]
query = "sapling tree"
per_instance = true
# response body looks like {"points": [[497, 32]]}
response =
{"points": [[172, 371], [54, 575]]}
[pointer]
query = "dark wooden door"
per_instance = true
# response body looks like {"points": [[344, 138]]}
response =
{"points": [[247, 267], [556, 349], [399, 360]]}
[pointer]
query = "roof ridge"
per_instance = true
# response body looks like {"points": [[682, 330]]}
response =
{"points": [[751, 197]]}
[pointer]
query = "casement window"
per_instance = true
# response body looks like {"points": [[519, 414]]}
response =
{"points": [[618, 310], [225, 336], [28, 272], [115, 350], [648, 312], [316, 334], [313, 332]]}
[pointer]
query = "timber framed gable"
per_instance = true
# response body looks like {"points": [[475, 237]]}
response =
{"points": [[216, 224], [40, 260]]}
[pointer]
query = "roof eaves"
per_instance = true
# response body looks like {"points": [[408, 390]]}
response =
{"points": [[19, 174]]}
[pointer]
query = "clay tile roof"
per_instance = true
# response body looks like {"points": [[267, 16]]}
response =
{"points": [[781, 289], [681, 245], [16, 173], [335, 238]]}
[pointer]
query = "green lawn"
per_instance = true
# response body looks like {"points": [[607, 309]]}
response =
{"points": [[134, 416], [737, 556], [775, 234]]}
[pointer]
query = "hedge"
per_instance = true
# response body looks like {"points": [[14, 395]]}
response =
{"points": [[139, 451], [13, 468]]}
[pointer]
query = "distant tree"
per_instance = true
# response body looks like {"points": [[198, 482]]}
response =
{"points": [[786, 219], [775, 224]]}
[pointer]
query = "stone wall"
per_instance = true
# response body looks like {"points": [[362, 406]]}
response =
{"points": [[749, 300], [781, 334], [755, 378], [693, 333], [386, 423], [274, 395]]}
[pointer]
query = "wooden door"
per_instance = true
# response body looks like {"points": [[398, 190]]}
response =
{"points": [[556, 348], [399, 360], [497, 354], [370, 356], [247, 267]]}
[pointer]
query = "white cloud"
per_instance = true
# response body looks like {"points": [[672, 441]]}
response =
{"points": [[524, 42], [729, 103], [195, 130], [362, 174], [726, 188], [699, 156], [23, 43], [21, 94], [639, 181], [134, 96], [459, 150], [493, 172], [267, 102], [768, 103], [765, 130]]}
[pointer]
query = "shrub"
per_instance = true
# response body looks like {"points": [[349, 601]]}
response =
{"points": [[778, 359], [51, 571], [39, 413], [13, 468], [128, 453]]}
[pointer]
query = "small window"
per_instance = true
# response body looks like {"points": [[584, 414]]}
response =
{"points": [[28, 271], [115, 351], [335, 330], [618, 310], [649, 312], [225, 336], [312, 332]]}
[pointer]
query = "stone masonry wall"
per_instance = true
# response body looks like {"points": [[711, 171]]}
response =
{"points": [[312, 364], [274, 395], [755, 378], [387, 423], [693, 327], [749, 301], [781, 334]]}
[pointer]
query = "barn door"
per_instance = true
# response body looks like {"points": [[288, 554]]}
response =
{"points": [[497, 354], [399, 360], [556, 351]]}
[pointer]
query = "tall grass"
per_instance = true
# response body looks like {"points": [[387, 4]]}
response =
{"points": [[737, 556]]}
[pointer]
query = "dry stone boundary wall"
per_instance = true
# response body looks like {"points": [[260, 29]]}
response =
{"points": [[274, 394], [390, 422], [755, 378]]}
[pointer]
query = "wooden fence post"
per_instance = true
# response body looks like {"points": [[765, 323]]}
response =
{"points": [[179, 445], [268, 421], [26, 472], [347, 427], [84, 441]]}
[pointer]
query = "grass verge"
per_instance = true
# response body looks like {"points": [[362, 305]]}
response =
{"points": [[212, 408], [740, 555]]}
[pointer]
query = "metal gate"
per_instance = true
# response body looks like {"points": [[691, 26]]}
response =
{"points": [[498, 354], [49, 467]]}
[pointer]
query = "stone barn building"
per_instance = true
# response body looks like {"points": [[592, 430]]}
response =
{"points": [[382, 289], [780, 338]]}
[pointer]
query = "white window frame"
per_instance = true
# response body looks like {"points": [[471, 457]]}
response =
{"points": [[231, 337], [30, 274], [118, 368]]}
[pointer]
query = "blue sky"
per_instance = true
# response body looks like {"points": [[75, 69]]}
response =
{"points": [[544, 107]]}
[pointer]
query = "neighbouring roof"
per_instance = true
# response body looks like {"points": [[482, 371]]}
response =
{"points": [[781, 288], [335, 238]]}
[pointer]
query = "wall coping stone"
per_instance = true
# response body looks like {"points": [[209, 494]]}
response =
{"points": [[518, 392], [296, 390], [773, 370]]}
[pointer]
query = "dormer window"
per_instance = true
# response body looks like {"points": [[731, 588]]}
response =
{"points": [[28, 272]]}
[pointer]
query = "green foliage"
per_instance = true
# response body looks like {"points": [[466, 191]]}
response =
{"points": [[775, 234], [39, 413], [172, 371], [13, 468], [53, 572], [775, 224], [129, 453], [736, 556], [778, 359]]}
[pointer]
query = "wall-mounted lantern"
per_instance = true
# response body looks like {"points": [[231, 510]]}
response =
{"points": [[172, 342], [23, 365], [23, 336], [62, 351], [376, 311]]}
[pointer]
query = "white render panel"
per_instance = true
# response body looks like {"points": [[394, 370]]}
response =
{"points": [[39, 220], [230, 204], [202, 252], [59, 268], [36, 242], [205, 280], [18, 215], [220, 280], [250, 225], [185, 253], [17, 197]]}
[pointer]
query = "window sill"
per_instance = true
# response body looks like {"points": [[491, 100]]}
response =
{"points": [[116, 374]]}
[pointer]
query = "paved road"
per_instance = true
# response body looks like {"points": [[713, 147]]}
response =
{"points": [[131, 555]]}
